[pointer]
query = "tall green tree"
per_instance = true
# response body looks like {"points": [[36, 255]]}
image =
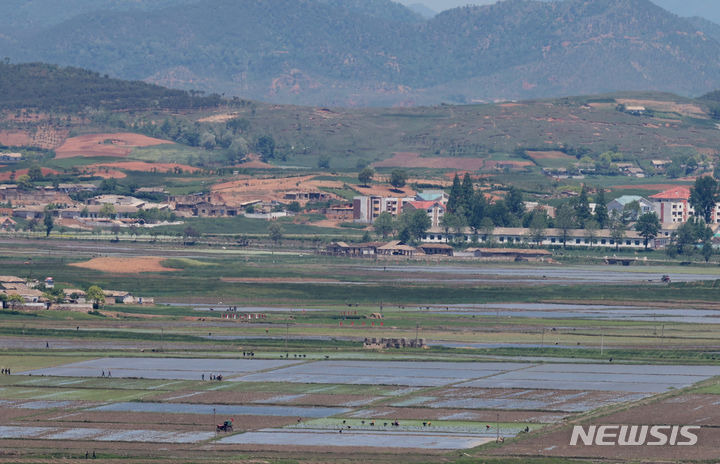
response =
{"points": [[24, 182], [689, 235], [468, 191], [500, 214], [631, 211], [48, 222], [707, 250], [275, 232], [35, 173], [591, 227], [107, 210], [413, 224], [648, 226], [323, 162], [398, 178], [617, 229], [601, 211], [582, 207], [15, 300], [366, 175], [453, 221], [266, 147], [704, 196], [515, 203], [383, 224], [565, 220], [96, 295], [478, 210], [538, 225], [487, 227], [456, 192]]}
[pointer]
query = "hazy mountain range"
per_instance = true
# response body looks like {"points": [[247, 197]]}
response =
{"points": [[372, 52], [708, 9]]}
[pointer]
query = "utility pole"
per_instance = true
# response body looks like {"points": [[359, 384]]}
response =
{"points": [[287, 335], [662, 335], [497, 427], [602, 343]]}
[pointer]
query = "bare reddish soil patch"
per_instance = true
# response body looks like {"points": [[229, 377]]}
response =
{"points": [[329, 223], [549, 154], [440, 181], [116, 145], [5, 176], [384, 190], [269, 189], [253, 161], [15, 138], [695, 409], [125, 265], [142, 166], [511, 164], [256, 164]]}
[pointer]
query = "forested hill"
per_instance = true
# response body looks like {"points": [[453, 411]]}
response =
{"points": [[49, 87], [377, 52], [17, 15]]}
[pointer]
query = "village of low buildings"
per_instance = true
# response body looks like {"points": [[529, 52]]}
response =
{"points": [[121, 211], [33, 294]]}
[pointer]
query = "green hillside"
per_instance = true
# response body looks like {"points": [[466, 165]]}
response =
{"points": [[48, 87]]}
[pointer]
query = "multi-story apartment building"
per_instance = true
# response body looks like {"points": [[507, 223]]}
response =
{"points": [[673, 205]]}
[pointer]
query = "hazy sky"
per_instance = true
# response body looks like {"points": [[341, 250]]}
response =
{"points": [[709, 9]]}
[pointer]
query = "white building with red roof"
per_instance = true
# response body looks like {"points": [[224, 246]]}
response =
{"points": [[673, 205]]}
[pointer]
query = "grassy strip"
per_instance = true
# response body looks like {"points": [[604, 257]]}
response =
{"points": [[665, 356], [99, 334]]}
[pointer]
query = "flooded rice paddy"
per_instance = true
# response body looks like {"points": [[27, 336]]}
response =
{"points": [[165, 368], [188, 408], [364, 439], [96, 434], [557, 376], [540, 274], [580, 311], [462, 390]]}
